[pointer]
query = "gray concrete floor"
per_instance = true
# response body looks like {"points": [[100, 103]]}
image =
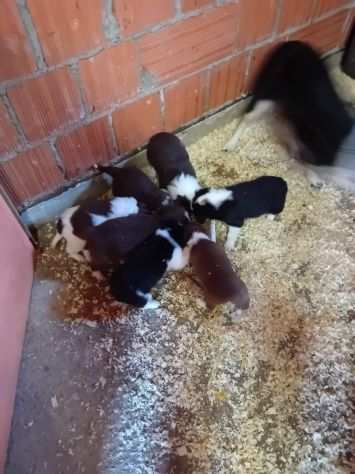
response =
{"points": [[85, 400], [64, 393]]}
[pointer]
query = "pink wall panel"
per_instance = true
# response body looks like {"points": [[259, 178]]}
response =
{"points": [[16, 274]]}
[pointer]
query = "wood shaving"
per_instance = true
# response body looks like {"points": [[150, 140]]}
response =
{"points": [[270, 394]]}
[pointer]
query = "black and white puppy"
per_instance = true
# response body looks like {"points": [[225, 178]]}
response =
{"points": [[168, 156], [294, 89], [108, 244], [129, 181], [75, 224], [146, 265], [234, 204]]}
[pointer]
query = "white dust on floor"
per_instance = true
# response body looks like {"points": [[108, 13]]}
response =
{"points": [[270, 394]]}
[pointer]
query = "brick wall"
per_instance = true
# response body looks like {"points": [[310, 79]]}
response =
{"points": [[86, 81]]}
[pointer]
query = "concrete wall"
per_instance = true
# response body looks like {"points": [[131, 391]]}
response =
{"points": [[86, 81]]}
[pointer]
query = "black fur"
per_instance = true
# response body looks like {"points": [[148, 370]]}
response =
{"points": [[264, 195], [168, 156], [297, 81], [145, 266], [59, 226], [81, 220], [130, 181], [110, 242]]}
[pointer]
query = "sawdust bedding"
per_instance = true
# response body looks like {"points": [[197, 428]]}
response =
{"points": [[270, 394]]}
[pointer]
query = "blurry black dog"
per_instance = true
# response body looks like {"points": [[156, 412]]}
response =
{"points": [[308, 116]]}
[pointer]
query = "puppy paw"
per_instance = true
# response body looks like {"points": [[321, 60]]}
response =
{"points": [[315, 180], [229, 247], [229, 146]]}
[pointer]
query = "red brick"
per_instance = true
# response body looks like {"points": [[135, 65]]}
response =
{"points": [[295, 13], [227, 82], [46, 103], [30, 174], [110, 76], [187, 5], [67, 27], [257, 57], [86, 146], [325, 6], [256, 20], [190, 44], [15, 51], [185, 101], [8, 134], [135, 15], [324, 35], [137, 122]]}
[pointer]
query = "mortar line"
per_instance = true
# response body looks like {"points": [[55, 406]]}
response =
{"points": [[31, 33]]}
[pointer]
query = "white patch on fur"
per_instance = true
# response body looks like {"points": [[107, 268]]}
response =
{"points": [[215, 197], [184, 185], [96, 219], [74, 245], [124, 206], [120, 207], [196, 237], [213, 233], [150, 302], [165, 234], [178, 261], [233, 234], [179, 258]]}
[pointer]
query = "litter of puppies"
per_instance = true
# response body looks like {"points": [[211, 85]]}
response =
{"points": [[140, 235], [270, 379], [142, 232]]}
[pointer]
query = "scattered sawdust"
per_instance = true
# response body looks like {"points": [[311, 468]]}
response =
{"points": [[271, 394]]}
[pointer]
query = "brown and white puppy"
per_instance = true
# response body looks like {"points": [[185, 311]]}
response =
{"points": [[168, 156], [219, 282], [76, 223], [130, 181]]}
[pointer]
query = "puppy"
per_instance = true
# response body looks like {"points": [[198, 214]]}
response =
{"points": [[146, 265], [294, 87], [109, 244], [169, 157], [75, 223], [131, 181], [220, 283], [234, 204]]}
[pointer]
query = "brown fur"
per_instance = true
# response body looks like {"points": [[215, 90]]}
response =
{"points": [[219, 281]]}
